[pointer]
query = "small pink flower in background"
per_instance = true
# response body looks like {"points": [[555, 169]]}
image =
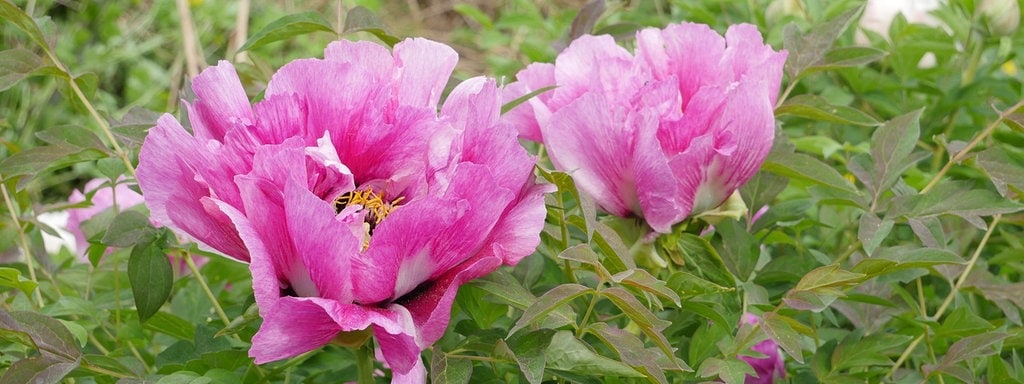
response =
{"points": [[768, 368], [103, 198], [360, 206], [661, 134]]}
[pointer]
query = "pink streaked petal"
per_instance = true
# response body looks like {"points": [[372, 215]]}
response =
{"points": [[594, 64], [588, 140], [749, 57], [326, 176], [528, 117], [657, 189], [424, 68], [399, 340], [324, 244], [221, 103], [416, 375], [292, 326], [281, 117], [518, 233], [176, 193], [693, 52], [371, 57]]}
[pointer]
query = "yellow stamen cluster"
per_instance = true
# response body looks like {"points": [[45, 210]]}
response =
{"points": [[378, 207], [375, 203]]}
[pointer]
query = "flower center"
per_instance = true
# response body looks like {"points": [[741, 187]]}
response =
{"points": [[375, 204]]}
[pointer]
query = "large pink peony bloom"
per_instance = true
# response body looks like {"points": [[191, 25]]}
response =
{"points": [[668, 132], [360, 206]]}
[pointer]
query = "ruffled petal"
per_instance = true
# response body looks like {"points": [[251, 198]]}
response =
{"points": [[752, 60], [528, 117], [221, 103], [692, 53], [371, 57], [424, 67], [175, 182]]}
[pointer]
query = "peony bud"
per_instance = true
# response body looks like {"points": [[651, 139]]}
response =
{"points": [[1002, 17]]}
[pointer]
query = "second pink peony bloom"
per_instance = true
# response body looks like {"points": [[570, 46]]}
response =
{"points": [[667, 132]]}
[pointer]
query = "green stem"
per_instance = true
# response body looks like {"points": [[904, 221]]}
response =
{"points": [[23, 244], [364, 363], [586, 316], [206, 288]]}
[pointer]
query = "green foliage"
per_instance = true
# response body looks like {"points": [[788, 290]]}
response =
{"points": [[882, 242]]}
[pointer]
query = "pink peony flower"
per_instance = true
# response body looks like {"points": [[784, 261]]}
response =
{"points": [[668, 132], [768, 368], [103, 198], [360, 206]]}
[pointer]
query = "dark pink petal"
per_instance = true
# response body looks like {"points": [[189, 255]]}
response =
{"points": [[171, 177], [221, 103]]}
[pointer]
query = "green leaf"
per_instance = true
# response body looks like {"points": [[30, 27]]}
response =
{"points": [[566, 353], [49, 335], [130, 227], [895, 259], [582, 253], [872, 231], [449, 371], [172, 325], [779, 329], [10, 277], [35, 160], [529, 351], [586, 19], [617, 258], [550, 301], [962, 322], [873, 350], [820, 287], [844, 57], [585, 204], [108, 363], [739, 249], [891, 145], [24, 22], [40, 369], [697, 255], [651, 325], [287, 27], [969, 347], [808, 50], [17, 64], [644, 281], [151, 277], [1002, 169], [762, 189], [524, 98], [806, 168], [731, 371], [954, 198], [360, 19], [508, 290], [630, 349], [816, 108]]}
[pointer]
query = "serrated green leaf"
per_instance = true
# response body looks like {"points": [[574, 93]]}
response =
{"points": [[151, 277], [360, 19], [566, 353], [444, 369], [286, 27], [816, 108], [779, 329], [548, 302]]}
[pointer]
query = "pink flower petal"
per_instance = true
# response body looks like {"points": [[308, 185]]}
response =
{"points": [[221, 102]]}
